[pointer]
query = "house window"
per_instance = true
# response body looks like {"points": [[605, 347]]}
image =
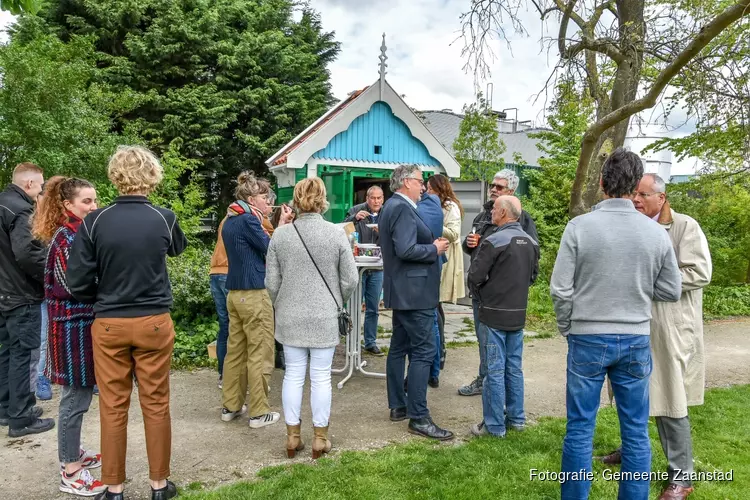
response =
{"points": [[378, 150]]}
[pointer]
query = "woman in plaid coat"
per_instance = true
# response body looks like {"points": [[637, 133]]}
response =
{"points": [[70, 361]]}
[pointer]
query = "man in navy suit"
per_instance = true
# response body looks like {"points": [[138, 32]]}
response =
{"points": [[411, 287]]}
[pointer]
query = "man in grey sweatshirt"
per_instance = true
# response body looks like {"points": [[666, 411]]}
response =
{"points": [[612, 264]]}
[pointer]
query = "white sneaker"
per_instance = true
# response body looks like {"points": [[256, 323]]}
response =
{"points": [[81, 483], [228, 416], [264, 420]]}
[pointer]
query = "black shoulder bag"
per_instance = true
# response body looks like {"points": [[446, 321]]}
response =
{"points": [[345, 321]]}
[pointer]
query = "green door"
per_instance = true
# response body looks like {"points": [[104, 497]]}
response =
{"points": [[337, 187]]}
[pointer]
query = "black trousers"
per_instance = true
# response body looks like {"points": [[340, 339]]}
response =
{"points": [[19, 336], [412, 335]]}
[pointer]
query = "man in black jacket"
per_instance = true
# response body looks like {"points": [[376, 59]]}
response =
{"points": [[372, 280], [504, 184], [21, 293], [506, 264]]}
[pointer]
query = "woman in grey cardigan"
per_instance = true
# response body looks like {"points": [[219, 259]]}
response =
{"points": [[306, 313]]}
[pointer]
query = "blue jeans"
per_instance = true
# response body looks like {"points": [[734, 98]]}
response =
{"points": [[482, 339], [43, 346], [626, 359], [39, 356], [218, 284], [502, 398], [372, 285], [435, 370]]}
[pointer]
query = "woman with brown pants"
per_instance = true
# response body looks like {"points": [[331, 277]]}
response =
{"points": [[118, 263]]}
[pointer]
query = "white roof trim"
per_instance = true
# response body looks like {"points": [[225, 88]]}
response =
{"points": [[372, 164], [325, 115], [360, 105]]}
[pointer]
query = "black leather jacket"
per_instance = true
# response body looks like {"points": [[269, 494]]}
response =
{"points": [[22, 258]]}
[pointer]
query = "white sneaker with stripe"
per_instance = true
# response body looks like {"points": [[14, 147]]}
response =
{"points": [[264, 420]]}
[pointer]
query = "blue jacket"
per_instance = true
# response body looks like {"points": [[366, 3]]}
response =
{"points": [[246, 244], [432, 214], [411, 278]]}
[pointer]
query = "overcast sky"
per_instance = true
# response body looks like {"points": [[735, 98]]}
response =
{"points": [[425, 62]]}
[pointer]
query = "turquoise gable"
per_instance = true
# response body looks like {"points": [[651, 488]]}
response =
{"points": [[377, 136]]}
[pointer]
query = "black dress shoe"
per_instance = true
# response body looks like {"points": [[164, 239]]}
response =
{"points": [[169, 491], [36, 412], [426, 427], [398, 414], [36, 427], [434, 382]]}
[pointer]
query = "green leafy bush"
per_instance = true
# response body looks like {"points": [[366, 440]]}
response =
{"points": [[191, 341], [723, 301], [188, 274]]}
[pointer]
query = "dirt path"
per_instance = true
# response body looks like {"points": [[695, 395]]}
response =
{"points": [[211, 452]]}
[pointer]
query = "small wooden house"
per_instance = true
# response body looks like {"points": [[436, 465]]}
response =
{"points": [[358, 143]]}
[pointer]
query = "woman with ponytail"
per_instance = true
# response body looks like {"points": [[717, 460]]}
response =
{"points": [[70, 361]]}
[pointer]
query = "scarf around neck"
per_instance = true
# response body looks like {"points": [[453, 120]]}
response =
{"points": [[71, 221], [240, 207]]}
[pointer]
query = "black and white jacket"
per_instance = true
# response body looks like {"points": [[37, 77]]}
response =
{"points": [[21, 257], [505, 265], [118, 258]]}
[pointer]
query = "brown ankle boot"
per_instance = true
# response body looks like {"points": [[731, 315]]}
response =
{"points": [[293, 441], [321, 444]]}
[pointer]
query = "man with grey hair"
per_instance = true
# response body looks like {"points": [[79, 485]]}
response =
{"points": [[364, 215], [504, 184], [507, 263], [678, 377], [411, 286]]}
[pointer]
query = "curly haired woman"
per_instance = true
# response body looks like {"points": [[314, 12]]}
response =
{"points": [[70, 361], [118, 261]]}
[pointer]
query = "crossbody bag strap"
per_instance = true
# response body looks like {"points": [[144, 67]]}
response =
{"points": [[316, 266]]}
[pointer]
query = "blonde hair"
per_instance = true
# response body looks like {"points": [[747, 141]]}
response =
{"points": [[248, 186], [310, 196], [134, 170], [22, 169]]}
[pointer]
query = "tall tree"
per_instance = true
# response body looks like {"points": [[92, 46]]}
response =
{"points": [[232, 79], [478, 147], [617, 48]]}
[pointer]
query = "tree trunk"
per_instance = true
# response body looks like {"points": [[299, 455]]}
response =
{"points": [[586, 192]]}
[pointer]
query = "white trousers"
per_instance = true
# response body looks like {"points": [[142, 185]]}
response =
{"points": [[294, 383]]}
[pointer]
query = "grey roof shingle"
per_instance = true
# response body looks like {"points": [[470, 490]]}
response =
{"points": [[445, 126]]}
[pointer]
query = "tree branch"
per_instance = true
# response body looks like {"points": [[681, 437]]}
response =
{"points": [[707, 33], [594, 132], [605, 46]]}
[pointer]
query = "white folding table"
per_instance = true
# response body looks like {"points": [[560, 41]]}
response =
{"points": [[353, 359]]}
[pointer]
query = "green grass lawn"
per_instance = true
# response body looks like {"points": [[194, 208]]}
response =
{"points": [[499, 468]]}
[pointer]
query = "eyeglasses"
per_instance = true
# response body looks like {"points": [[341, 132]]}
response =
{"points": [[418, 179], [499, 187], [645, 195]]}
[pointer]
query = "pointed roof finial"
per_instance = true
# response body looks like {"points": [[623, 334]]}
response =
{"points": [[383, 58]]}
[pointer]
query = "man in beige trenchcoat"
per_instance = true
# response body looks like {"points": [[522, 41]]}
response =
{"points": [[678, 376]]}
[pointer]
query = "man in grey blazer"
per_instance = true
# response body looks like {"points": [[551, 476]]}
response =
{"points": [[411, 284]]}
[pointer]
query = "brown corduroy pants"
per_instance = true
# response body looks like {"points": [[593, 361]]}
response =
{"points": [[122, 347]]}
